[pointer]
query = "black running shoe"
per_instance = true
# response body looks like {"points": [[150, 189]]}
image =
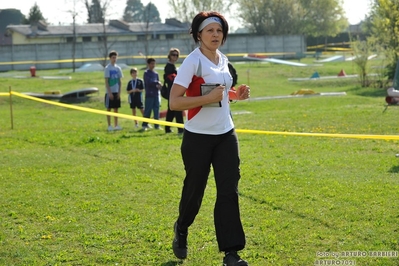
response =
{"points": [[180, 243], [232, 259]]}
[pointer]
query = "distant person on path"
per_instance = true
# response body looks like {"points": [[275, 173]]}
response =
{"points": [[135, 88], [152, 85], [209, 138], [169, 76], [113, 75]]}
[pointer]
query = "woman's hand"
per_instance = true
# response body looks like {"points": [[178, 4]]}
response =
{"points": [[216, 95], [243, 92]]}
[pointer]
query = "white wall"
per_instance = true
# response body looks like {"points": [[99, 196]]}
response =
{"points": [[21, 57]]}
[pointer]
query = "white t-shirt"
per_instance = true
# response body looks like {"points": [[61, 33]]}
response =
{"points": [[114, 74], [206, 120]]}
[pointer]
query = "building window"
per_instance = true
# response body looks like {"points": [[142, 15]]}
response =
{"points": [[69, 39], [169, 36], [155, 36], [86, 39], [141, 37], [101, 38]]}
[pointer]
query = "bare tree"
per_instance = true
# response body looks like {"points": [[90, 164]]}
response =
{"points": [[150, 15], [363, 50], [98, 11], [74, 14], [147, 31]]}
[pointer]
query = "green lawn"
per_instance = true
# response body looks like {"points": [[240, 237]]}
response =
{"points": [[74, 194]]}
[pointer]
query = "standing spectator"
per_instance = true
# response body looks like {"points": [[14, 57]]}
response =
{"points": [[113, 83], [209, 138], [152, 86], [169, 76], [135, 88]]}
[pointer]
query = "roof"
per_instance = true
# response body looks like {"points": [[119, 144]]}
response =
{"points": [[114, 27]]}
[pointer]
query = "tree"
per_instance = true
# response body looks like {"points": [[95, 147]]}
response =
{"points": [[10, 16], [35, 15], [96, 11], [275, 17], [134, 11], [151, 13], [323, 17], [362, 50], [280, 17], [186, 10], [385, 27]]}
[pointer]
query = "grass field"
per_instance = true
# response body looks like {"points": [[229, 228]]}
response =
{"points": [[74, 194]]}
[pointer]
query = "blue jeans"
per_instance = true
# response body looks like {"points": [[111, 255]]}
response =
{"points": [[151, 104]]}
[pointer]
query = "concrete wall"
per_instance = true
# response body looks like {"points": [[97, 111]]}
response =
{"points": [[54, 56]]}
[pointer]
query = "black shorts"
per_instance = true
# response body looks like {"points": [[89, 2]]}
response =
{"points": [[115, 103], [135, 102]]}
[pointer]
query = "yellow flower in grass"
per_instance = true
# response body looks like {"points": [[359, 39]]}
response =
{"points": [[46, 236], [50, 218]]}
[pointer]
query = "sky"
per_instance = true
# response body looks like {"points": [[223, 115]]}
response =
{"points": [[58, 13]]}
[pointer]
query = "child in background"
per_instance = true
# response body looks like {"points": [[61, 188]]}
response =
{"points": [[135, 88], [152, 88], [112, 100]]}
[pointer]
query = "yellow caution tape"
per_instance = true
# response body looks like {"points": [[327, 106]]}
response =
{"points": [[347, 136], [85, 109], [4, 94], [165, 123]]}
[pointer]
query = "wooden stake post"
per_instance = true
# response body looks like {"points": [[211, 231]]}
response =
{"points": [[11, 114]]}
